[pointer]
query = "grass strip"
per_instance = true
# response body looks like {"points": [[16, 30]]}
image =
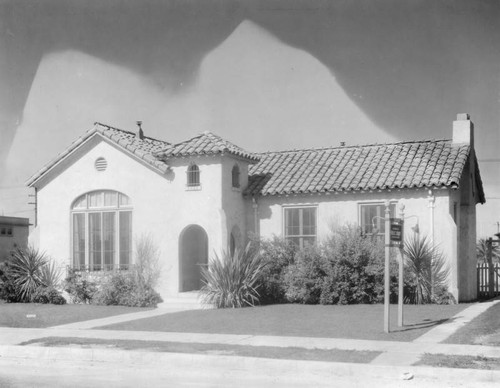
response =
{"points": [[464, 362], [289, 353]]}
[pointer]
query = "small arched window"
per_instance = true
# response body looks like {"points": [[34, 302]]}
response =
{"points": [[193, 176], [235, 174]]}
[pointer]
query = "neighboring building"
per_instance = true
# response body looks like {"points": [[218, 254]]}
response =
{"points": [[14, 233], [205, 194]]}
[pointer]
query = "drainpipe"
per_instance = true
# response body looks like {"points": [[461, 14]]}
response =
{"points": [[255, 206], [431, 205]]}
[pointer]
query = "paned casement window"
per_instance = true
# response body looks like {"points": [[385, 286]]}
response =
{"points": [[6, 231], [371, 218], [193, 176], [300, 225], [235, 176], [101, 231]]}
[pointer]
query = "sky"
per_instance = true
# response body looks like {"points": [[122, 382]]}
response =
{"points": [[266, 75]]}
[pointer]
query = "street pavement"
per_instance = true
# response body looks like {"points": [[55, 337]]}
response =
{"points": [[122, 368]]}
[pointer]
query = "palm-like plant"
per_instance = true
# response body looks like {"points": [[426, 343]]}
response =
{"points": [[482, 250], [50, 275], [427, 267], [232, 280], [26, 268]]}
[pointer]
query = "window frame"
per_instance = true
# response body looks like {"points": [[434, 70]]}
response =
{"points": [[236, 177], [380, 224], [301, 236], [121, 205], [193, 177]]}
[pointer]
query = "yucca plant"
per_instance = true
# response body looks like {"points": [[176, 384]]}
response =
{"points": [[50, 275], [26, 268], [427, 267], [232, 280]]}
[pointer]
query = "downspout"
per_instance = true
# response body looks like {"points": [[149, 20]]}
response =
{"points": [[431, 205], [255, 206]]}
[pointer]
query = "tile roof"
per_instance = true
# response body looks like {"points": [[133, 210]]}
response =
{"points": [[206, 143], [142, 148], [434, 163]]}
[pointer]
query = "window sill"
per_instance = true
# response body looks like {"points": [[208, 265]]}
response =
{"points": [[236, 189], [193, 188]]}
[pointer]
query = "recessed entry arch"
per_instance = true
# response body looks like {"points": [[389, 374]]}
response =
{"points": [[193, 255]]}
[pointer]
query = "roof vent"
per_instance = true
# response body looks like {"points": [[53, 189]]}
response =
{"points": [[140, 132], [101, 164], [342, 143]]}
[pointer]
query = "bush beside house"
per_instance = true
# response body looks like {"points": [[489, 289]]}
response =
{"points": [[347, 268]]}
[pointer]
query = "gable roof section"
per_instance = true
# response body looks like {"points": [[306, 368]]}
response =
{"points": [[206, 144], [434, 163], [143, 149]]}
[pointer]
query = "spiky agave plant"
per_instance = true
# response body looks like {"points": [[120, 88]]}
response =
{"points": [[427, 267], [50, 275], [232, 280], [26, 267]]}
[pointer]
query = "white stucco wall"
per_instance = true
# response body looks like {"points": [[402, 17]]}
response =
{"points": [[162, 206]]}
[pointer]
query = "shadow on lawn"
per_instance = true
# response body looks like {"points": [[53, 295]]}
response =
{"points": [[426, 324]]}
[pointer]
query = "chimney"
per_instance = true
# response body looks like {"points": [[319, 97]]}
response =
{"points": [[463, 130], [140, 132]]}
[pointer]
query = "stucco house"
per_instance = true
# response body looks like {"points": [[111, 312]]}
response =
{"points": [[206, 194]]}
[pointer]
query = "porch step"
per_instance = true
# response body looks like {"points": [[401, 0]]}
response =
{"points": [[183, 300]]}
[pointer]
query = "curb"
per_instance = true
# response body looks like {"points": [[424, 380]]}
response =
{"points": [[305, 369]]}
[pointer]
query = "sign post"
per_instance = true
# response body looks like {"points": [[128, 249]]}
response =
{"points": [[387, 290], [394, 237]]}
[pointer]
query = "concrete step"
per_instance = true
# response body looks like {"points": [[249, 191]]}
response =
{"points": [[183, 300]]}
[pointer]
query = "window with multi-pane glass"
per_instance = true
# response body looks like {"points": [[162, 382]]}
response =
{"points": [[102, 231], [300, 225], [372, 218]]}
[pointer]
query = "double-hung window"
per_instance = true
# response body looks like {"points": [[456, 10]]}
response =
{"points": [[371, 216], [102, 231], [300, 225]]}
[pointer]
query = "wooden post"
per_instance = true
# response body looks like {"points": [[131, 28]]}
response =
{"points": [[387, 291], [491, 269], [401, 268]]}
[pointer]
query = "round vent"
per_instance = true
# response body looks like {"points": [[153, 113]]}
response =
{"points": [[101, 164]]}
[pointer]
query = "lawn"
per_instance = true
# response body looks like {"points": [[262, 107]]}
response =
{"points": [[353, 321], [45, 315], [291, 353], [466, 362], [482, 330]]}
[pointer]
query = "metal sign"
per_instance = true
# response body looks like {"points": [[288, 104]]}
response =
{"points": [[396, 232]]}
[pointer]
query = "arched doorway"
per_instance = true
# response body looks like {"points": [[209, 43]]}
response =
{"points": [[193, 255]]}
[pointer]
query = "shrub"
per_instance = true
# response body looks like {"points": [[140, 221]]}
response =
{"points": [[26, 270], [482, 251], [7, 287], [347, 268], [80, 289], [277, 254], [47, 295], [232, 280], [304, 279], [125, 289], [428, 271], [147, 261]]}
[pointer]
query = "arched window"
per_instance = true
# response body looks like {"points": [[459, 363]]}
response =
{"points": [[193, 176], [101, 231], [236, 176]]}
